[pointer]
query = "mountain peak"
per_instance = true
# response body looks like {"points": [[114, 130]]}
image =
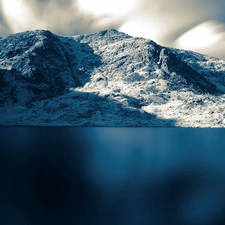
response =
{"points": [[110, 31], [106, 79]]}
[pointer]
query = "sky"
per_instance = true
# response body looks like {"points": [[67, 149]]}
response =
{"points": [[197, 25]]}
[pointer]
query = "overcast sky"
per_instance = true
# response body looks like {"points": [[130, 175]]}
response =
{"points": [[197, 25]]}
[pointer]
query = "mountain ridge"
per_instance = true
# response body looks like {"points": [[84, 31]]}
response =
{"points": [[39, 68]]}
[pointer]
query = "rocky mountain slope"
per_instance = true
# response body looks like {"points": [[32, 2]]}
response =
{"points": [[107, 79]]}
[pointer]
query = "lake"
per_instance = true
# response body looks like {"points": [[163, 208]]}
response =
{"points": [[118, 176]]}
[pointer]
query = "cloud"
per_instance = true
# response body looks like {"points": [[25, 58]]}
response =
{"points": [[163, 21], [3, 29], [201, 36], [207, 38], [3, 26], [111, 8], [19, 16], [62, 17], [170, 19]]}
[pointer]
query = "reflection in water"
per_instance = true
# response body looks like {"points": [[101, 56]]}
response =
{"points": [[112, 176]]}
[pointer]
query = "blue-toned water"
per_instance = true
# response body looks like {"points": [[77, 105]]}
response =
{"points": [[133, 176]]}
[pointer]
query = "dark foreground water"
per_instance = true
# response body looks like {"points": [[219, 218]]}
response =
{"points": [[112, 176]]}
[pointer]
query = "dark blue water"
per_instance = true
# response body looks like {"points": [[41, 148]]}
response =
{"points": [[124, 176]]}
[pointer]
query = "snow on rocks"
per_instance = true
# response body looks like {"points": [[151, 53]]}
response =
{"points": [[107, 79]]}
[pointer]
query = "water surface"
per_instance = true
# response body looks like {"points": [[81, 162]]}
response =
{"points": [[54, 175]]}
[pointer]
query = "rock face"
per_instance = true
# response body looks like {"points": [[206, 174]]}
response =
{"points": [[107, 79], [39, 65]]}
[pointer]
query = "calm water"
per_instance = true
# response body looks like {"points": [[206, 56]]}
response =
{"points": [[112, 176]]}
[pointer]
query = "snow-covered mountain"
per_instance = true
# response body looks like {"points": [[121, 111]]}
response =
{"points": [[107, 79]]}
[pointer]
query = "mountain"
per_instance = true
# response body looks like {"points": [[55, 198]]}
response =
{"points": [[107, 79]]}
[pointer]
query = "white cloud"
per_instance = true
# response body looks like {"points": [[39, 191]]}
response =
{"points": [[169, 23], [19, 16], [201, 36], [107, 14], [207, 38], [175, 24], [109, 8], [62, 17], [159, 20], [151, 25]]}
